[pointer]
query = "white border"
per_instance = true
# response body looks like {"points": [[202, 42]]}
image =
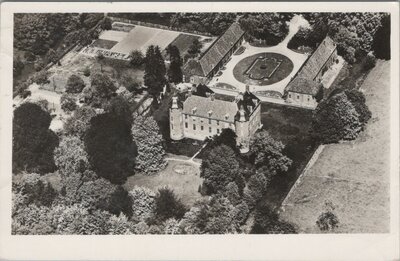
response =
{"points": [[230, 247]]}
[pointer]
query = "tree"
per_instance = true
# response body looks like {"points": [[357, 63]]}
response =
{"points": [[18, 66], [215, 215], [195, 48], [268, 156], [174, 70], [232, 193], [218, 168], [255, 189], [110, 147], [68, 102], [154, 71], [167, 205], [143, 203], [381, 42], [328, 221], [35, 189], [136, 58], [336, 119], [149, 141], [41, 77], [75, 84], [121, 107], [357, 98], [51, 56], [267, 221], [33, 141], [101, 90], [70, 156], [107, 24], [79, 122], [226, 137]]}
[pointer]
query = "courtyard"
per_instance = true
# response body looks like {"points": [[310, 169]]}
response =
{"points": [[234, 72]]}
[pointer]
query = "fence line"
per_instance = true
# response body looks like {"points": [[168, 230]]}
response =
{"points": [[159, 26]]}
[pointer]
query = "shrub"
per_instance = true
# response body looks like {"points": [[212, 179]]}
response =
{"points": [[167, 205], [41, 77], [143, 203], [136, 58], [75, 84], [68, 102], [86, 71]]}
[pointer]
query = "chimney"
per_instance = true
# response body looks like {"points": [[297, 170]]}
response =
{"points": [[250, 108], [174, 102], [247, 88], [189, 92], [212, 96], [242, 117], [208, 94], [255, 102], [194, 88]]}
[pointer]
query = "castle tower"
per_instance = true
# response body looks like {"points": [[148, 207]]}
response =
{"points": [[176, 120], [242, 132]]}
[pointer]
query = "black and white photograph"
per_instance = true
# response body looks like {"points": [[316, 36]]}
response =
{"points": [[201, 122]]}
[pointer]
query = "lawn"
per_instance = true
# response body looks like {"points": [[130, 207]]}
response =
{"points": [[183, 42], [290, 126], [105, 44], [354, 176], [183, 177], [263, 69]]}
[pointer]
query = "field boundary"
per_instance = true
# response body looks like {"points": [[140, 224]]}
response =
{"points": [[310, 163]]}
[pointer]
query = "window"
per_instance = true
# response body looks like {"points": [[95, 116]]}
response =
{"points": [[290, 96], [298, 96], [194, 126], [217, 122], [202, 128], [185, 116], [172, 126], [209, 129], [217, 130], [308, 98], [209, 121], [186, 124]]}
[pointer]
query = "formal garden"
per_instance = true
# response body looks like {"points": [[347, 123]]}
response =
{"points": [[263, 69]]}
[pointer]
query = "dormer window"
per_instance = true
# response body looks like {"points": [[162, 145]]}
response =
{"points": [[194, 110], [226, 116]]}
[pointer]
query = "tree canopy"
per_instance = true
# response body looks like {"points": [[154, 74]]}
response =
{"points": [[75, 84], [336, 118], [174, 70], [33, 141], [154, 71], [149, 141], [219, 167], [110, 147]]}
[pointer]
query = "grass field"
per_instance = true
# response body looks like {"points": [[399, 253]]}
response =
{"points": [[183, 177], [250, 66], [290, 126], [140, 37], [183, 42], [113, 35], [354, 176]]}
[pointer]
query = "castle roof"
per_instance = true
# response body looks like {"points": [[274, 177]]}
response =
{"points": [[316, 61], [215, 53], [303, 85], [202, 105]]}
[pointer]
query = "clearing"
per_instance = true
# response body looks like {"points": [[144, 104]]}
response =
{"points": [[354, 176], [180, 175]]}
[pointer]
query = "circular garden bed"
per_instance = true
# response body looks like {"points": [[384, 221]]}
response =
{"points": [[263, 69]]}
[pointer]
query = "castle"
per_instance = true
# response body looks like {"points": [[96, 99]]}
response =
{"points": [[199, 114]]}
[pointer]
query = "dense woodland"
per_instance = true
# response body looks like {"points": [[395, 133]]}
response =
{"points": [[104, 141]]}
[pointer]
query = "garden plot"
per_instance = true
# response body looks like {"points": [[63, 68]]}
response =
{"points": [[140, 37], [112, 35]]}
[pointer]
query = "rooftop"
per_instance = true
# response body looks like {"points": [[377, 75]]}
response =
{"points": [[303, 85], [316, 61]]}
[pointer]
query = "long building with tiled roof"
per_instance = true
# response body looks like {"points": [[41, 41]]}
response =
{"points": [[202, 69], [305, 88], [200, 115]]}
